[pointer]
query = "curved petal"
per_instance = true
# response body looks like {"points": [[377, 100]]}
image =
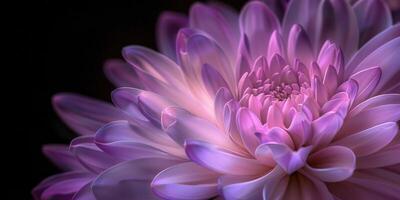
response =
{"points": [[220, 160], [302, 12], [235, 189], [212, 80], [248, 124], [370, 140], [368, 184], [185, 181], [367, 81], [300, 129], [373, 16], [61, 156], [221, 98], [386, 57], [141, 104], [130, 180], [85, 193], [332, 164], [325, 128], [83, 114], [336, 21], [299, 45], [224, 29], [257, 22], [181, 126], [121, 74], [127, 141], [372, 45], [388, 156], [90, 156], [61, 186], [168, 26]]}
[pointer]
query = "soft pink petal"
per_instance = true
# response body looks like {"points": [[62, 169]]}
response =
{"points": [[248, 124]]}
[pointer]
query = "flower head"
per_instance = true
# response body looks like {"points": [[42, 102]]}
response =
{"points": [[286, 100]]}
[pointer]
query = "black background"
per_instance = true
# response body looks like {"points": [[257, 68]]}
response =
{"points": [[64, 45], [68, 44]]}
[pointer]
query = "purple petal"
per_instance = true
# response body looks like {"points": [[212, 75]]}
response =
{"points": [[248, 124], [388, 156], [302, 12], [221, 98], [128, 141], [373, 17], [85, 115], [368, 184], [370, 140], [85, 193], [337, 22], [299, 45], [130, 179], [257, 22], [275, 46], [61, 186], [325, 128], [288, 159], [90, 156], [332, 164], [121, 74], [181, 125], [212, 80], [224, 29], [149, 62], [185, 181], [195, 49], [168, 26], [221, 160], [367, 81], [300, 129], [234, 188], [376, 42], [61, 156], [386, 57]]}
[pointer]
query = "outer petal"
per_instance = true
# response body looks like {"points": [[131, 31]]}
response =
{"points": [[61, 156], [372, 184], [257, 22], [325, 129], [61, 186], [185, 181], [336, 21], [85, 193], [130, 179], [372, 45], [248, 124], [181, 126], [85, 115], [332, 164], [299, 45], [121, 74], [373, 16], [370, 140], [128, 141], [224, 29], [236, 189], [220, 160], [367, 81], [168, 26]]}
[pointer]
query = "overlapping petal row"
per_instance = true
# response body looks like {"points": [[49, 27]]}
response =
{"points": [[286, 100]]}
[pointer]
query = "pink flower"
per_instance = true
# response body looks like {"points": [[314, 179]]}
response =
{"points": [[247, 106]]}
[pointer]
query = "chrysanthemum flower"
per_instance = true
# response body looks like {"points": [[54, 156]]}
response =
{"points": [[295, 100]]}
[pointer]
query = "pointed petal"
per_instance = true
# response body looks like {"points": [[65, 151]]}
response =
{"points": [[257, 22], [367, 81], [325, 128], [332, 164], [83, 114], [299, 45], [185, 181], [61, 156], [121, 74], [130, 179], [220, 160], [168, 26], [373, 17]]}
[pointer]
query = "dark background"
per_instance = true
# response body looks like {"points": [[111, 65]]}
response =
{"points": [[68, 44], [64, 45]]}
